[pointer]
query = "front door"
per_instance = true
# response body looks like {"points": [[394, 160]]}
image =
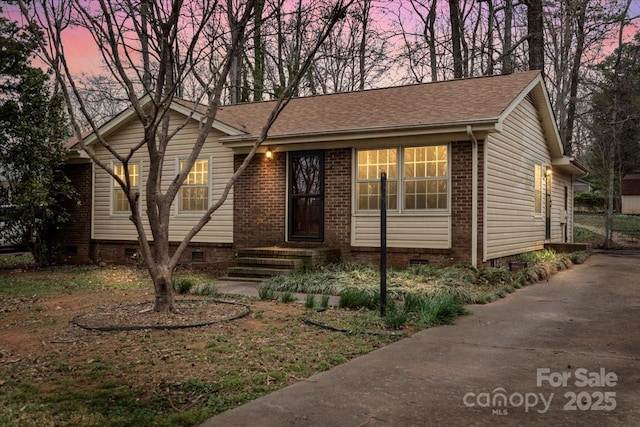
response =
{"points": [[306, 196]]}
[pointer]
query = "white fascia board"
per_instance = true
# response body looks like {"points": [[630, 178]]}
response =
{"points": [[196, 115]]}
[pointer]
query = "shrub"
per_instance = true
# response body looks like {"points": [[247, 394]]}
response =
{"points": [[440, 310], [310, 301], [182, 286], [578, 257], [359, 298], [287, 297], [324, 301], [205, 289], [394, 318], [265, 293]]}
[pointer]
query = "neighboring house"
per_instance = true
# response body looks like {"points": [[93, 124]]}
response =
{"points": [[476, 173], [630, 194], [581, 186]]}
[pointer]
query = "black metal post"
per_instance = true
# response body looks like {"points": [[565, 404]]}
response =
{"points": [[383, 244]]}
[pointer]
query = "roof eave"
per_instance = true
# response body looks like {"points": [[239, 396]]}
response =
{"points": [[570, 166], [479, 127]]}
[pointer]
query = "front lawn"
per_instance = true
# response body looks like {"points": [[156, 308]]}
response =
{"points": [[54, 373]]}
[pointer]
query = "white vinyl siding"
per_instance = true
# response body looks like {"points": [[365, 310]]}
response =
{"points": [[512, 225], [404, 231], [118, 227], [558, 183]]}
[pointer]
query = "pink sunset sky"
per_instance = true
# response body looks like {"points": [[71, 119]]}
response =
{"points": [[84, 57]]}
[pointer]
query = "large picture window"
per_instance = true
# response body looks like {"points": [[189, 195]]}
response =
{"points": [[417, 176], [194, 193], [120, 202]]}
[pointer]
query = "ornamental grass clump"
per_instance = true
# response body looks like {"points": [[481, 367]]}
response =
{"points": [[434, 310]]}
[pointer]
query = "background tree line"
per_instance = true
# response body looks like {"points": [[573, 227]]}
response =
{"points": [[228, 51]]}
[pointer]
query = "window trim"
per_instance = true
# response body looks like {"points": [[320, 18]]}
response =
{"points": [[178, 200], [114, 186], [400, 210]]}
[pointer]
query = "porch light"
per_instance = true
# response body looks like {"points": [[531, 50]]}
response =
{"points": [[268, 154], [548, 171]]}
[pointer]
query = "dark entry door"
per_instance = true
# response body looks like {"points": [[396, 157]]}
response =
{"points": [[306, 196]]}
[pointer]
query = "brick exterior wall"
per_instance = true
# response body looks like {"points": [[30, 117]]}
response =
{"points": [[461, 201], [209, 255], [259, 202], [260, 208], [337, 189], [76, 234]]}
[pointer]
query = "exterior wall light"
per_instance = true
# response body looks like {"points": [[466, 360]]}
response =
{"points": [[268, 154], [548, 171]]}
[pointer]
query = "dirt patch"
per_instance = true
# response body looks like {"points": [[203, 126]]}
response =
{"points": [[134, 316]]}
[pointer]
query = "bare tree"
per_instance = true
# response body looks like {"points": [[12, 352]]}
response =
{"points": [[456, 36], [535, 30], [116, 27]]}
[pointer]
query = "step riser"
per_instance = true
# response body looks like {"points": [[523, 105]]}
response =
{"points": [[256, 272], [270, 262]]}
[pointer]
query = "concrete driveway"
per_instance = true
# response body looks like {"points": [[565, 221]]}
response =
{"points": [[564, 352]]}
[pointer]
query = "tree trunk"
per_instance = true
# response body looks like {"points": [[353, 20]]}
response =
{"points": [[162, 283], [363, 43], [258, 49], [431, 40], [567, 137], [507, 62], [535, 34], [490, 25], [454, 13]]}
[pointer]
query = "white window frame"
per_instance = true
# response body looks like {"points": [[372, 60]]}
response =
{"points": [[208, 186], [116, 187], [401, 210]]}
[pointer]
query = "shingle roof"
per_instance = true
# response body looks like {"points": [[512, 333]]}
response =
{"points": [[446, 102]]}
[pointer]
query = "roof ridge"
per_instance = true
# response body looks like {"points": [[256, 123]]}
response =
{"points": [[374, 89]]}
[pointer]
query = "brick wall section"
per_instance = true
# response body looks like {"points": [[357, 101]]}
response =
{"points": [[77, 232], [337, 188], [461, 201], [260, 208], [259, 202], [216, 256]]}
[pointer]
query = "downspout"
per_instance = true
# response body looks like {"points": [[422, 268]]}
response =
{"points": [[474, 197]]}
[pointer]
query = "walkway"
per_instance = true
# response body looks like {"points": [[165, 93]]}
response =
{"points": [[537, 348]]}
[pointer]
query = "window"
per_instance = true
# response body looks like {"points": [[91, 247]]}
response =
{"points": [[423, 172], [538, 176], [120, 202], [194, 193], [371, 163], [425, 177]]}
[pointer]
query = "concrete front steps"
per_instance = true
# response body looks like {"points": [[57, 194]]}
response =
{"points": [[256, 264]]}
